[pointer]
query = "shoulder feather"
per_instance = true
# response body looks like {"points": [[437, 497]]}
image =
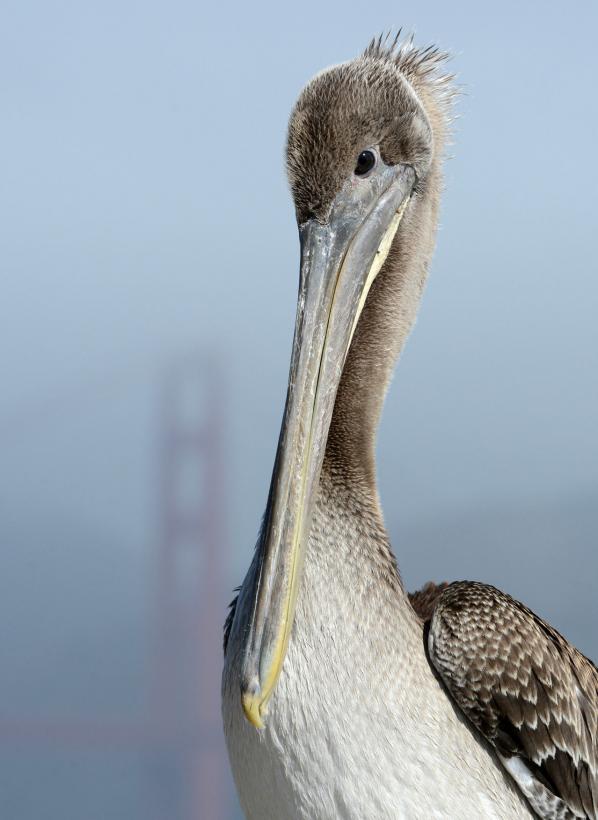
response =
{"points": [[528, 691]]}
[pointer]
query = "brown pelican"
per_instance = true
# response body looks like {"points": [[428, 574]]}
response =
{"points": [[344, 697]]}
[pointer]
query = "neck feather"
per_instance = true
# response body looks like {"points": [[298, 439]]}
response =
{"points": [[383, 328]]}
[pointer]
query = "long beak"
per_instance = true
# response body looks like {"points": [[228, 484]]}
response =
{"points": [[339, 261]]}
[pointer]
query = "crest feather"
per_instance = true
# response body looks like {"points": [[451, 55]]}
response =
{"points": [[421, 66]]}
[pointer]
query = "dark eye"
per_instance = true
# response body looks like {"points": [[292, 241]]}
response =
{"points": [[365, 162]]}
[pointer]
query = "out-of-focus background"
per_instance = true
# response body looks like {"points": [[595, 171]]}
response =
{"points": [[149, 262]]}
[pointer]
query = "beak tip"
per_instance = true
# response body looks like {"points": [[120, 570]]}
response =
{"points": [[252, 703]]}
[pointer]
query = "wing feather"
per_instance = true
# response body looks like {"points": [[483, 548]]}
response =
{"points": [[528, 691]]}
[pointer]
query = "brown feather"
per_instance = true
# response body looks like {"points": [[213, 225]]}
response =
{"points": [[424, 600], [525, 687]]}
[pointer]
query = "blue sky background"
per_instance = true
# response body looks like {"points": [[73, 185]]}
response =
{"points": [[144, 211]]}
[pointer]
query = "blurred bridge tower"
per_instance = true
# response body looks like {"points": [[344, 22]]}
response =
{"points": [[191, 597]]}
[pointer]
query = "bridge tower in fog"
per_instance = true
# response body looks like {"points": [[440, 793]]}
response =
{"points": [[192, 547], [178, 733]]}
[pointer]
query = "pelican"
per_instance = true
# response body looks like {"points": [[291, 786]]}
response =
{"points": [[344, 696]]}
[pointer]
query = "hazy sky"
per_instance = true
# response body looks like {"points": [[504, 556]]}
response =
{"points": [[144, 208], [144, 211]]}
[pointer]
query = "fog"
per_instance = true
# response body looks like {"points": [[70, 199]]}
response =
{"points": [[145, 219]]}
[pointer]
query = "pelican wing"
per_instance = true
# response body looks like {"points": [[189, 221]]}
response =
{"points": [[528, 691]]}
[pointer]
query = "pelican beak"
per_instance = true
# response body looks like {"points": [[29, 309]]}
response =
{"points": [[339, 261]]}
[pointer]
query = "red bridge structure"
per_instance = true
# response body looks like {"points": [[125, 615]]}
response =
{"points": [[190, 579], [181, 729]]}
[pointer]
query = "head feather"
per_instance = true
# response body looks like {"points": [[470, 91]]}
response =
{"points": [[423, 67]]}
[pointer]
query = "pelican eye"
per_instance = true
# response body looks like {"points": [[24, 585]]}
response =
{"points": [[365, 162]]}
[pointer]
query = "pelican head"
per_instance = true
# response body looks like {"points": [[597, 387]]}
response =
{"points": [[362, 161]]}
